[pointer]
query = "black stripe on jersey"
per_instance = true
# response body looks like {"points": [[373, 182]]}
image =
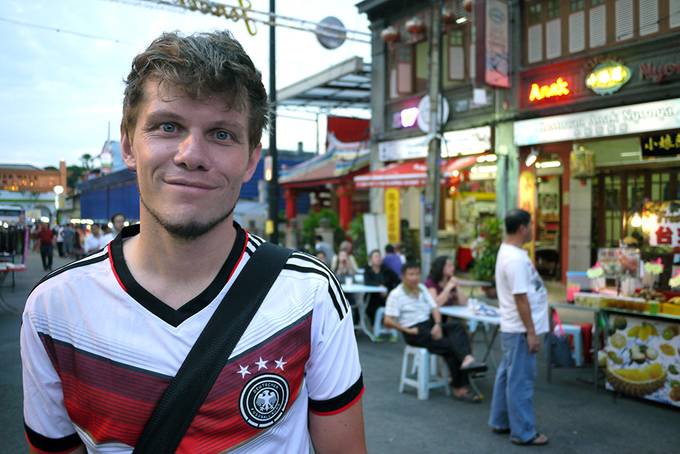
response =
{"points": [[46, 444], [320, 264], [255, 239], [70, 266], [338, 402], [303, 269]]}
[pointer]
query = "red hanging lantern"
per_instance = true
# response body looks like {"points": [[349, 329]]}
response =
{"points": [[390, 34], [415, 25], [467, 4]]}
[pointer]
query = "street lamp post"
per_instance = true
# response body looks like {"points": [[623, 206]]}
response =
{"points": [[58, 191]]}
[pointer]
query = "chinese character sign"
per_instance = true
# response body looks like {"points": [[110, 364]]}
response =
{"points": [[661, 221], [664, 144], [392, 214]]}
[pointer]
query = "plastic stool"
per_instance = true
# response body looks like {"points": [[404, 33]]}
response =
{"points": [[577, 352], [378, 327], [428, 373]]}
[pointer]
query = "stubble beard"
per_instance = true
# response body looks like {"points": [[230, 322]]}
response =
{"points": [[191, 230]]}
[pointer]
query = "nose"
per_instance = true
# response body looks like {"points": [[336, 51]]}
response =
{"points": [[192, 152]]}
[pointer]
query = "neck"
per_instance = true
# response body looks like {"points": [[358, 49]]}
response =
{"points": [[173, 269], [410, 289], [514, 240]]}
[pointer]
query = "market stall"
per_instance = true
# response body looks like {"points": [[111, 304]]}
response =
{"points": [[641, 352]]}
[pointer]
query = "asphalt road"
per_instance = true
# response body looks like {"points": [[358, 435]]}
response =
{"points": [[576, 417]]}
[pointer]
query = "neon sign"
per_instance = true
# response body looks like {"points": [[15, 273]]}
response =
{"points": [[608, 77], [558, 88]]}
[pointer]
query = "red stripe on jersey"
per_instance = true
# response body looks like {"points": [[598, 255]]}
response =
{"points": [[113, 268], [341, 409], [112, 401], [243, 252]]}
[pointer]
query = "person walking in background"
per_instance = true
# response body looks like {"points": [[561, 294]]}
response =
{"points": [[376, 273], [411, 309], [523, 302], [78, 243], [95, 240], [45, 239], [69, 236], [60, 240], [392, 260]]}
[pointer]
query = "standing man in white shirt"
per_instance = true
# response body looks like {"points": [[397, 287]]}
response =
{"points": [[523, 302]]}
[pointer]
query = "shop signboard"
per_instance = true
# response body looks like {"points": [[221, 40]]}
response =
{"points": [[643, 357], [493, 45], [666, 144], [455, 143], [638, 118], [392, 202], [661, 221]]}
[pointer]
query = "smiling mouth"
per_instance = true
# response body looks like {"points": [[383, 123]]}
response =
{"points": [[190, 185]]}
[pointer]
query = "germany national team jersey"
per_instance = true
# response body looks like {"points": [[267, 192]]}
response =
{"points": [[98, 351]]}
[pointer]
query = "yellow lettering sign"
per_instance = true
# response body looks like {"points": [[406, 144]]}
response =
{"points": [[558, 88]]}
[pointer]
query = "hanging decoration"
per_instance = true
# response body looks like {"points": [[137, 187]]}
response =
{"points": [[390, 35]]}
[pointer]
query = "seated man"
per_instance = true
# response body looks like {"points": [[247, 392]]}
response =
{"points": [[411, 310]]}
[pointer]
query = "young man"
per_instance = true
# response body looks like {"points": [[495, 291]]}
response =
{"points": [[45, 237], [118, 222], [411, 310], [103, 337], [523, 302]]}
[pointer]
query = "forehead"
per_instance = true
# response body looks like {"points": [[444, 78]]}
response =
{"points": [[171, 99]]}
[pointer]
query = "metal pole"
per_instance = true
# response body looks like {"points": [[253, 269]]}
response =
{"points": [[430, 225], [273, 189]]}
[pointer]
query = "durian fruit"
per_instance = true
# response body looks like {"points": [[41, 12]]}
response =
{"points": [[637, 382]]}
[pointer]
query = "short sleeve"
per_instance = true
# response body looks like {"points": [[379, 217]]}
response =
{"points": [[392, 308], [333, 374], [432, 303], [519, 277], [46, 421]]}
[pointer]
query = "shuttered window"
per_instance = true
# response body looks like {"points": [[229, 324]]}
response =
{"points": [[553, 38], [674, 7], [623, 10], [535, 43], [649, 17], [597, 22], [456, 55], [577, 31]]}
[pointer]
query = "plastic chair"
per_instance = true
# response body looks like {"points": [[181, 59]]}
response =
{"points": [[378, 327], [428, 372]]}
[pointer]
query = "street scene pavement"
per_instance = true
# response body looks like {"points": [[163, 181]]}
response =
{"points": [[575, 416]]}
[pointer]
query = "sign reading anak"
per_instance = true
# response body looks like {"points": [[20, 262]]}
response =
{"points": [[616, 121], [455, 143]]}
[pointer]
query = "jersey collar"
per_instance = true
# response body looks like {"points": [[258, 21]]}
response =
{"points": [[156, 306]]}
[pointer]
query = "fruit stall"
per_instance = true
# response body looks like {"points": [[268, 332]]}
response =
{"points": [[641, 354]]}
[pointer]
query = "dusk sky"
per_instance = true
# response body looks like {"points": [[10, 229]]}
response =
{"points": [[60, 90]]}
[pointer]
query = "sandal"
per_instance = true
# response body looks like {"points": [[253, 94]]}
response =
{"points": [[469, 397], [538, 440], [474, 366]]}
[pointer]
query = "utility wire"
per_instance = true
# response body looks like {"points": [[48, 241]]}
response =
{"points": [[61, 30]]}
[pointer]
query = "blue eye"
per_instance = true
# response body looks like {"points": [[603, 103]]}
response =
{"points": [[168, 127], [223, 135]]}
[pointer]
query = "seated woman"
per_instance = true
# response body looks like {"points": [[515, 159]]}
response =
{"points": [[376, 273], [443, 287]]}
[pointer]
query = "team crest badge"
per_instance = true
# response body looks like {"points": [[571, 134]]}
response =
{"points": [[263, 400]]}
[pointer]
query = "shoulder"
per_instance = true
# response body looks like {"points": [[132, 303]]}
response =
{"points": [[69, 276], [308, 272], [429, 283]]}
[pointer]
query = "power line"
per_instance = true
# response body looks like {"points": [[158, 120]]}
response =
{"points": [[61, 30]]}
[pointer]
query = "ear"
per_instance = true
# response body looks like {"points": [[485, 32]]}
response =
{"points": [[253, 159], [126, 150]]}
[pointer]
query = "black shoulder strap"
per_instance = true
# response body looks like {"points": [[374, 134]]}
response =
{"points": [[187, 391]]}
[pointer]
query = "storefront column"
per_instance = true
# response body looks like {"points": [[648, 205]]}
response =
{"points": [[344, 194], [291, 208], [507, 173]]}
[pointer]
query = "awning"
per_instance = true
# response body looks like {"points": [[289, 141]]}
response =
{"points": [[410, 173]]}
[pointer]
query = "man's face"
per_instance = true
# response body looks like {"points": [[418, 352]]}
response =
{"points": [[376, 259], [191, 158], [118, 223], [95, 230], [411, 278]]}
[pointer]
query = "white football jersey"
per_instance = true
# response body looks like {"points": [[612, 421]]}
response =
{"points": [[98, 351]]}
